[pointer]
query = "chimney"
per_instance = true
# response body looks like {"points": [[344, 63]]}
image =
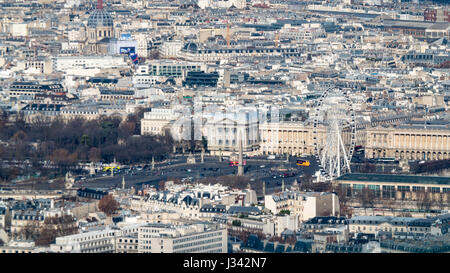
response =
{"points": [[99, 4]]}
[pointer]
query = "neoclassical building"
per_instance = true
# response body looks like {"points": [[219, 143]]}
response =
{"points": [[430, 142], [100, 28], [224, 132], [287, 138]]}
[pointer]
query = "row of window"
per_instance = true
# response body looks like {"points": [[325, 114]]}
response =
{"points": [[126, 240], [358, 228], [202, 248], [198, 237], [204, 242], [391, 189]]}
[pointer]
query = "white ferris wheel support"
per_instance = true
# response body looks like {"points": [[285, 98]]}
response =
{"points": [[334, 114]]}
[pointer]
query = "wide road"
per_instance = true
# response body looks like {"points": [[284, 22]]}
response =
{"points": [[261, 169]]}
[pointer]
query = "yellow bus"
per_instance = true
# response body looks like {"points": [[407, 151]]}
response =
{"points": [[301, 162]]}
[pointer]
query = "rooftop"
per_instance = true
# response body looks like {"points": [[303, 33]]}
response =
{"points": [[395, 178]]}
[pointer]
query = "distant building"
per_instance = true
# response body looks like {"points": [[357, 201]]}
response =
{"points": [[419, 142], [189, 238], [200, 78], [401, 187], [100, 28], [99, 241], [221, 4], [158, 120], [305, 205], [437, 15], [399, 227], [29, 88], [224, 131], [91, 193]]}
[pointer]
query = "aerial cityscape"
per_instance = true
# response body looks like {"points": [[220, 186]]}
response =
{"points": [[224, 126]]}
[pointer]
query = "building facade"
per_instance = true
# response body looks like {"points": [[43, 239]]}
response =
{"points": [[195, 238], [401, 187], [305, 205], [430, 142]]}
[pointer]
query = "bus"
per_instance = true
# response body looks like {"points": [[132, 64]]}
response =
{"points": [[108, 168], [301, 162]]}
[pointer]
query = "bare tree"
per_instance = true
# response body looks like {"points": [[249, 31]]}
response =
{"points": [[29, 232], [108, 205], [55, 227], [424, 200], [341, 192], [366, 198], [94, 154]]}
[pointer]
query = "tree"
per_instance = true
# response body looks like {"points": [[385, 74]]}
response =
{"points": [[284, 212], [29, 232], [95, 154], [366, 198], [204, 143], [161, 186], [63, 159], [236, 223], [344, 199], [424, 200], [108, 205], [56, 227]]}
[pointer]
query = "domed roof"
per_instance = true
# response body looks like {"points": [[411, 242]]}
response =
{"points": [[191, 46], [100, 18]]}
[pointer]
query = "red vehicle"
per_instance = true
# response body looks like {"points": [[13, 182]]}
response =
{"points": [[236, 163]]}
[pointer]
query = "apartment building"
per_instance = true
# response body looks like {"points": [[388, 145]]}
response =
{"points": [[97, 241], [192, 52], [393, 226], [304, 204], [303, 32], [189, 238], [23, 218], [33, 88], [63, 63], [169, 68]]}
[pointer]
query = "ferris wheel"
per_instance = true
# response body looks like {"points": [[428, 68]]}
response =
{"points": [[334, 133]]}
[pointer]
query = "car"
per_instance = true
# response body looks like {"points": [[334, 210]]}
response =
{"points": [[262, 166]]}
